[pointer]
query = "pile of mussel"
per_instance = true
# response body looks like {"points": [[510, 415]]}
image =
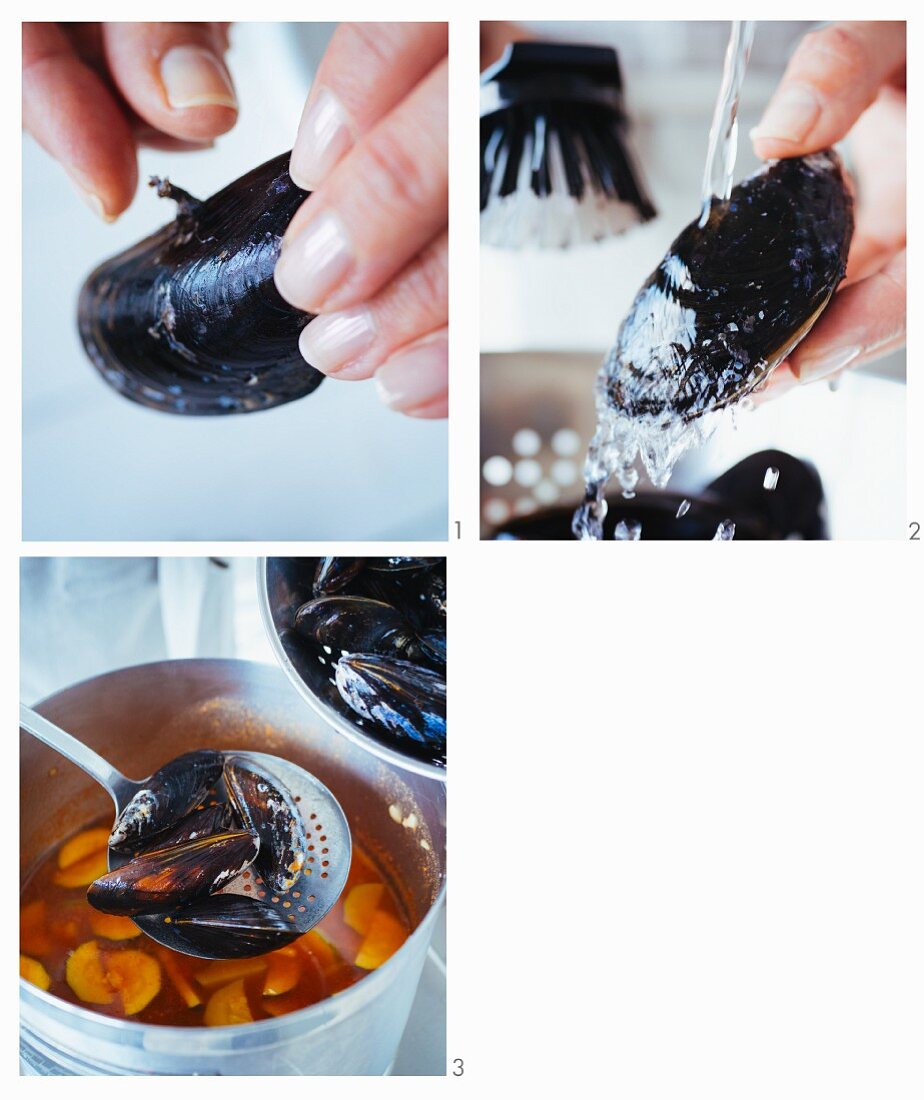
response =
{"points": [[202, 823], [381, 624]]}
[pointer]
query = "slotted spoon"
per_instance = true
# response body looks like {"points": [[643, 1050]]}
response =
{"points": [[329, 844]]}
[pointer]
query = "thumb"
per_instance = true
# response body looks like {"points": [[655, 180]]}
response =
{"points": [[834, 75], [174, 76]]}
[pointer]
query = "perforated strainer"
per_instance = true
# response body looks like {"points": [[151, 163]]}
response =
{"points": [[321, 878]]}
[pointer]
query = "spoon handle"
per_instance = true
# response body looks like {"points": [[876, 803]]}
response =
{"points": [[76, 751]]}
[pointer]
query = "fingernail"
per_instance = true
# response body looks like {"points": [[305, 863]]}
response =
{"points": [[323, 139], [332, 342], [314, 262], [89, 196], [415, 379], [195, 77], [95, 203], [810, 370], [790, 115]]}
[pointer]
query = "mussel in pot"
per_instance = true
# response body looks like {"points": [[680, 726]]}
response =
{"points": [[170, 793], [332, 574], [273, 816], [189, 320], [167, 877], [355, 624], [227, 926], [198, 824], [406, 699]]}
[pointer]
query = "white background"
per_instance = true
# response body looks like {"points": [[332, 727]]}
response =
{"points": [[686, 810]]}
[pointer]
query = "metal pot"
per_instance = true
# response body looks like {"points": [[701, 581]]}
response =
{"points": [[138, 718]]}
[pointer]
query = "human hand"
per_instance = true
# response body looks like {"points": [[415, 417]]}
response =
{"points": [[849, 78], [368, 251], [93, 92]]}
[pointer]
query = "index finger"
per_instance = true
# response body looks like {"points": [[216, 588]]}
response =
{"points": [[834, 75], [367, 69]]}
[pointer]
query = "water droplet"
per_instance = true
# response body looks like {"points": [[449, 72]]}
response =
{"points": [[771, 477], [628, 530], [683, 508], [725, 532]]}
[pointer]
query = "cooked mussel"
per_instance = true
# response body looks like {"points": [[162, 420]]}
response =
{"points": [[269, 810], [198, 824], [169, 794], [355, 624], [189, 320], [404, 698], [167, 877], [734, 296], [332, 574], [227, 926]]}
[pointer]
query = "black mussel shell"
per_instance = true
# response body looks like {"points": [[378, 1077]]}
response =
{"points": [[794, 510], [269, 810], [168, 795], [404, 698], [167, 877], [355, 624], [189, 320], [400, 565], [431, 590], [420, 595], [228, 926], [433, 647], [198, 824], [732, 298], [332, 574]]}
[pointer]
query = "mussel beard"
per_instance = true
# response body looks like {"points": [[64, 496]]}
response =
{"points": [[189, 320], [734, 296]]}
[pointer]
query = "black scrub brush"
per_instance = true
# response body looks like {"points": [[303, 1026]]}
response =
{"points": [[555, 169]]}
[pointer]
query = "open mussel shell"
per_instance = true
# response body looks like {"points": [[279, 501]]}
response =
{"points": [[189, 320], [733, 297], [404, 698], [166, 797], [267, 808], [167, 877], [332, 574], [227, 926], [355, 624]]}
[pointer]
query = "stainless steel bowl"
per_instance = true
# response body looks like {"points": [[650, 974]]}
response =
{"points": [[283, 589]]}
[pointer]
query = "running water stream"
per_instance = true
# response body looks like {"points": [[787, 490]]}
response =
{"points": [[659, 440]]}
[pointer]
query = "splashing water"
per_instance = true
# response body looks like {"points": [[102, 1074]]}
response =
{"points": [[725, 532], [628, 530], [659, 440], [771, 478]]}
